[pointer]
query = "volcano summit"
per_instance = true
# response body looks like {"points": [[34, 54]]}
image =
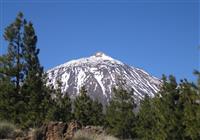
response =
{"points": [[99, 74]]}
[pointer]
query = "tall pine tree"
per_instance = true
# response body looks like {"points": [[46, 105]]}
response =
{"points": [[120, 118], [150, 120], [173, 114], [87, 111], [11, 72], [190, 105], [98, 117], [23, 94], [33, 88], [61, 105]]}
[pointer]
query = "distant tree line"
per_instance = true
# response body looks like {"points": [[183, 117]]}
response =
{"points": [[27, 101]]}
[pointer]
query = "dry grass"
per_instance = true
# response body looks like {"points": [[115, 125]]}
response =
{"points": [[84, 135], [7, 130]]}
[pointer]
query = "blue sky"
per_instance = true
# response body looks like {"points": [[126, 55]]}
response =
{"points": [[159, 36]]}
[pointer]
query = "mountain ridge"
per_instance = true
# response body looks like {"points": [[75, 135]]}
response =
{"points": [[99, 73]]}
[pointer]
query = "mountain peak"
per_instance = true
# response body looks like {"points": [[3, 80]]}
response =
{"points": [[99, 54], [99, 73]]}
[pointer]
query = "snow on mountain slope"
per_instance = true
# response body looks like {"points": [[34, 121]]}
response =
{"points": [[99, 74]]}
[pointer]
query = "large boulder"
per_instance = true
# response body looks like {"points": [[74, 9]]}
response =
{"points": [[58, 131], [52, 131], [73, 127]]}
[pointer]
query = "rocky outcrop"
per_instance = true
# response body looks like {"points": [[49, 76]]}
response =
{"points": [[71, 130], [60, 131], [52, 131]]}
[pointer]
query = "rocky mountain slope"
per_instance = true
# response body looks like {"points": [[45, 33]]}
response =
{"points": [[99, 74]]}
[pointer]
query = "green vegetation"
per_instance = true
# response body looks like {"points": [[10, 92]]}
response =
{"points": [[24, 100], [87, 111], [7, 130], [120, 118], [60, 108], [173, 114]]}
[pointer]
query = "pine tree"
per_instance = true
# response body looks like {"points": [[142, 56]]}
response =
{"points": [[82, 107], [7, 100], [97, 117], [190, 104], [87, 111], [11, 72], [173, 114], [151, 120], [169, 108], [33, 89], [146, 120], [21, 77], [61, 106], [12, 64], [120, 118]]}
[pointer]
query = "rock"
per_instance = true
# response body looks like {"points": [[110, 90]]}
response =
{"points": [[72, 129], [52, 131]]}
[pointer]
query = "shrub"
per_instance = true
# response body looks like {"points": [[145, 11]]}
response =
{"points": [[18, 133], [106, 137], [82, 135], [6, 130], [86, 135]]}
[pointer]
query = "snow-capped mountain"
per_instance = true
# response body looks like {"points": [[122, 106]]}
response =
{"points": [[99, 74]]}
